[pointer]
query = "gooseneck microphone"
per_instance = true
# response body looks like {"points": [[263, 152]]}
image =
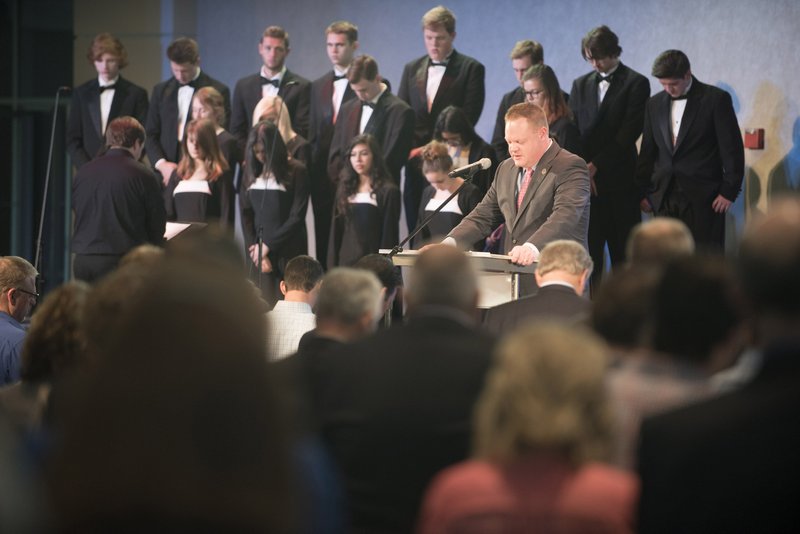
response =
{"points": [[472, 168]]}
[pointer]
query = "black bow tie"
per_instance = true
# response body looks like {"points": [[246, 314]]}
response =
{"points": [[368, 104], [273, 82], [438, 64], [192, 84], [337, 77], [600, 78], [107, 87], [682, 97]]}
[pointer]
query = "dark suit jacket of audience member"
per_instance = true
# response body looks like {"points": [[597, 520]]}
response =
{"points": [[392, 125], [162, 117], [729, 464], [85, 137], [462, 85], [396, 408], [555, 301], [294, 90]]}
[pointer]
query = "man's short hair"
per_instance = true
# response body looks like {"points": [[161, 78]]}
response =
{"points": [[347, 294], [437, 17], [124, 132], [302, 273], [622, 306], [442, 276], [564, 255], [671, 64], [601, 43], [14, 271], [384, 269], [183, 50], [659, 240], [276, 32], [105, 43], [363, 67], [528, 48], [343, 27], [530, 111]]}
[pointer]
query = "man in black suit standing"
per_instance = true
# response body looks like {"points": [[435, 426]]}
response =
{"points": [[691, 165], [171, 105], [608, 105], [101, 100], [441, 78], [117, 203], [328, 93], [273, 79], [377, 112]]}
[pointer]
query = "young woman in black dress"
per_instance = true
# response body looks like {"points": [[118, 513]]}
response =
{"points": [[273, 108], [200, 189], [207, 103], [273, 205], [367, 207], [541, 87]]}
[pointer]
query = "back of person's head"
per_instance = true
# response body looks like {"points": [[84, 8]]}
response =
{"points": [[658, 241], [146, 255], [530, 49], [124, 132], [545, 393], [185, 431], [671, 64], [564, 255], [183, 50], [213, 244], [622, 307], [302, 273], [443, 277], [601, 43], [347, 295], [364, 67], [14, 271], [384, 269]]}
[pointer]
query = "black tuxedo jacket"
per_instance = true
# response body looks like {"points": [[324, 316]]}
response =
{"points": [[708, 158], [499, 135], [462, 86], [84, 135], [550, 302], [609, 132], [162, 118], [294, 90], [392, 125], [321, 125]]}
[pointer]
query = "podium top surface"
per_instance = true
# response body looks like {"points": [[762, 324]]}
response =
{"points": [[482, 261]]}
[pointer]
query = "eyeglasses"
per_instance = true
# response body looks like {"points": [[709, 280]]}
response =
{"points": [[532, 94], [31, 293]]}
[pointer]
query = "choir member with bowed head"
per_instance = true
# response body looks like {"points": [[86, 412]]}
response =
{"points": [[436, 164], [273, 108], [201, 188], [208, 103], [273, 203], [367, 209], [541, 88]]}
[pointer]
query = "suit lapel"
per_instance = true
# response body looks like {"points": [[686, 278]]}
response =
{"points": [[120, 94], [422, 81], [614, 88], [443, 92], [664, 110], [94, 108], [171, 109], [376, 119], [327, 98], [538, 178], [692, 107]]}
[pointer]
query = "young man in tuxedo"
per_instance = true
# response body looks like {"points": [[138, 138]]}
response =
{"points": [[691, 165], [608, 105], [328, 93], [273, 79], [441, 78], [101, 100], [171, 105]]}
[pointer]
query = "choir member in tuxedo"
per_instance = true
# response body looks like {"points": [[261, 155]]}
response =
{"points": [[201, 188], [328, 93], [441, 78], [274, 79], [436, 163], [608, 104], [170, 105], [692, 161], [272, 108], [273, 203], [541, 87], [207, 103], [464, 145], [99, 101], [367, 211], [376, 112]]}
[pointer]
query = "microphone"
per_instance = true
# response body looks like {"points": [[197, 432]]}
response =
{"points": [[64, 89], [472, 168]]}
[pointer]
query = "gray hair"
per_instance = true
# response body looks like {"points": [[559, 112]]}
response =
{"points": [[13, 271], [347, 294], [564, 255], [443, 276]]}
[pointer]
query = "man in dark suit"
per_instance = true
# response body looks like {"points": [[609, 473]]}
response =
{"points": [[117, 203], [328, 93], [171, 105], [561, 274], [441, 78], [377, 112], [608, 105], [692, 161], [101, 100], [396, 407], [273, 79], [730, 464]]}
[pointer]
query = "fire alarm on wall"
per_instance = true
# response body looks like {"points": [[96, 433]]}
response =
{"points": [[754, 138]]}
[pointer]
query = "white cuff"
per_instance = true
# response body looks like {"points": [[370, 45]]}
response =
{"points": [[449, 241]]}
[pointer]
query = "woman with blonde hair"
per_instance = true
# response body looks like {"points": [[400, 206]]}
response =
{"points": [[273, 108]]}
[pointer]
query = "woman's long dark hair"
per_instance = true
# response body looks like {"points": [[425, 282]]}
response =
{"points": [[276, 158], [454, 120], [556, 105], [349, 180]]}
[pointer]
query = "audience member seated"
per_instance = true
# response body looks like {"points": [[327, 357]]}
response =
{"points": [[656, 241], [391, 279], [562, 272], [17, 298], [541, 424]]}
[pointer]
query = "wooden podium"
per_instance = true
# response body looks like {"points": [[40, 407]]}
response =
{"points": [[498, 278]]}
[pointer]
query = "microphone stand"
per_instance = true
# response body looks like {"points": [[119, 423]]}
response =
{"points": [[399, 248]]}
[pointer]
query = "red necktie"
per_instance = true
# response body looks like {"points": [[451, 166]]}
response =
{"points": [[526, 180]]}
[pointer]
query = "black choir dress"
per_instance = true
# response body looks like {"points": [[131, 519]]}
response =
{"points": [[372, 223], [567, 135], [199, 200], [449, 217]]}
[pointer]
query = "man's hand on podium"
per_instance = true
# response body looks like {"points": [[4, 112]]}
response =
{"points": [[522, 255]]}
